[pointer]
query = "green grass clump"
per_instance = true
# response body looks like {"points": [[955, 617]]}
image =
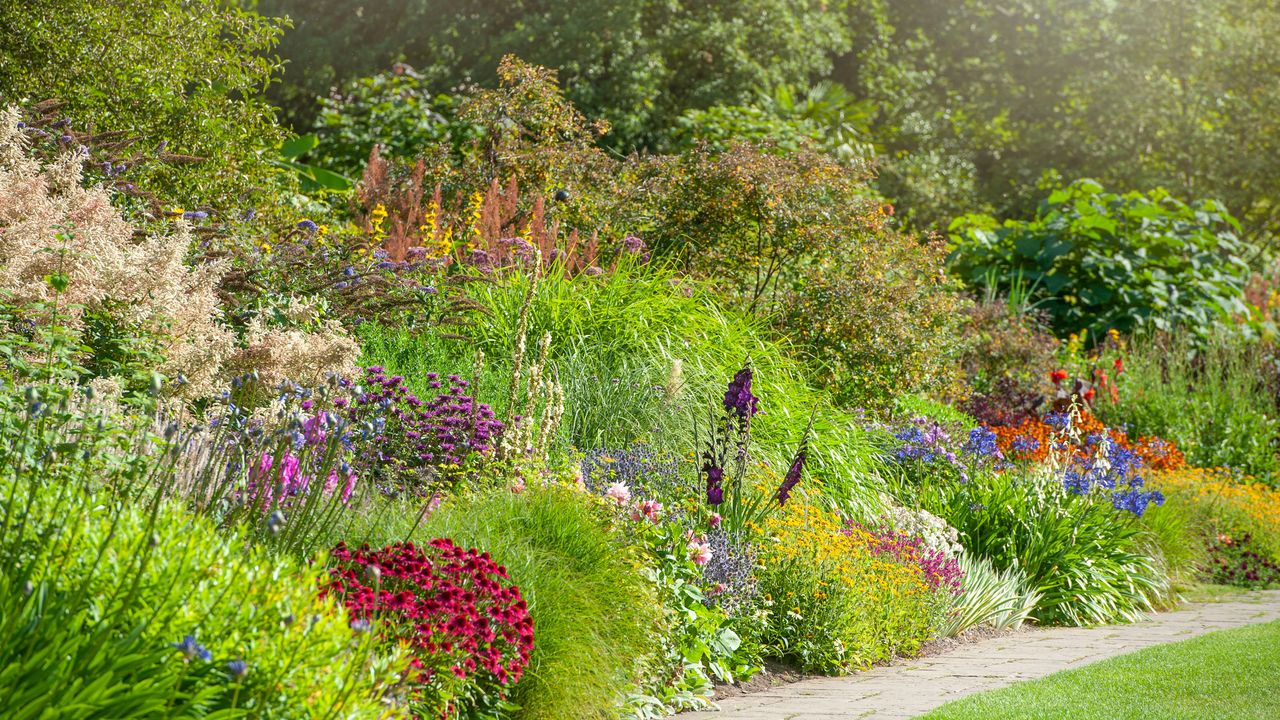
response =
{"points": [[642, 357], [1227, 674], [595, 616]]}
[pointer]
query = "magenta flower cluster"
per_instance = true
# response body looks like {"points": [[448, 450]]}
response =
{"points": [[280, 482], [412, 442], [939, 570]]}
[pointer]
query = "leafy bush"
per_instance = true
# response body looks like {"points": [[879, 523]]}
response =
{"points": [[393, 110], [197, 85], [1097, 260], [638, 64], [803, 239], [1217, 400]]}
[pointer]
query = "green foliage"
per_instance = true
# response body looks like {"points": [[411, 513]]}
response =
{"points": [[102, 574], [1096, 260], [980, 98], [636, 63], [395, 110], [191, 73], [802, 239], [784, 121], [703, 646], [639, 353], [1001, 598], [1080, 554], [1216, 400], [596, 618]]}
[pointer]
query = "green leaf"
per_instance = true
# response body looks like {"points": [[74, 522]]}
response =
{"points": [[296, 147]]}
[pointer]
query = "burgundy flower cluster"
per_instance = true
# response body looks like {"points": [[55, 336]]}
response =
{"points": [[939, 570], [413, 442], [467, 626]]}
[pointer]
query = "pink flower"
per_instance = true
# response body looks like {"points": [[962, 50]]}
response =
{"points": [[699, 552], [313, 428], [716, 589], [517, 487], [619, 493], [715, 520], [647, 510]]}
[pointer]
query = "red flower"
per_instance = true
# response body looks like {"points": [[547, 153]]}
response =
{"points": [[1058, 376], [1118, 365], [1089, 395]]}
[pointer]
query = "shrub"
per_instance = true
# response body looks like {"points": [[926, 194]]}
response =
{"points": [[1216, 400], [835, 602], [1096, 260], [596, 618], [197, 85], [393, 110], [801, 238], [1008, 348]]}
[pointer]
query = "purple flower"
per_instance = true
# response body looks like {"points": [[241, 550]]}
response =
{"points": [[307, 226], [632, 244], [793, 475], [715, 477], [195, 215], [237, 669], [738, 400]]}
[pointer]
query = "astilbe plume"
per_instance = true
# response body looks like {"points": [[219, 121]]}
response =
{"points": [[50, 225], [467, 626], [412, 442]]}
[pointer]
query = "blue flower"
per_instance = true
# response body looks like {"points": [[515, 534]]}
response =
{"points": [[237, 669], [307, 226], [982, 443], [192, 649], [194, 215]]}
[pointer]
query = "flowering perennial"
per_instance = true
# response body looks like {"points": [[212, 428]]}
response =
{"points": [[414, 442], [467, 627]]}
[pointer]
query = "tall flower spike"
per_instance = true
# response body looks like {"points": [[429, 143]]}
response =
{"points": [[738, 400]]}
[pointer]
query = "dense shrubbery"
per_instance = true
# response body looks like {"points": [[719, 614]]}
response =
{"points": [[1095, 260]]}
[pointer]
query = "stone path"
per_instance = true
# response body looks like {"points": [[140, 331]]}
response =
{"points": [[916, 686]]}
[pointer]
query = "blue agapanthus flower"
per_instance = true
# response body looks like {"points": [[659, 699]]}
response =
{"points": [[192, 649]]}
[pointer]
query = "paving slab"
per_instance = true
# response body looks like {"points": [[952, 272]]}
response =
{"points": [[914, 686]]}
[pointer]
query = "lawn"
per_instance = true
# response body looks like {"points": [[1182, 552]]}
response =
{"points": [[1227, 675]]}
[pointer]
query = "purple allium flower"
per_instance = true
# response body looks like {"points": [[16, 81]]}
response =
{"points": [[633, 244], [738, 399]]}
